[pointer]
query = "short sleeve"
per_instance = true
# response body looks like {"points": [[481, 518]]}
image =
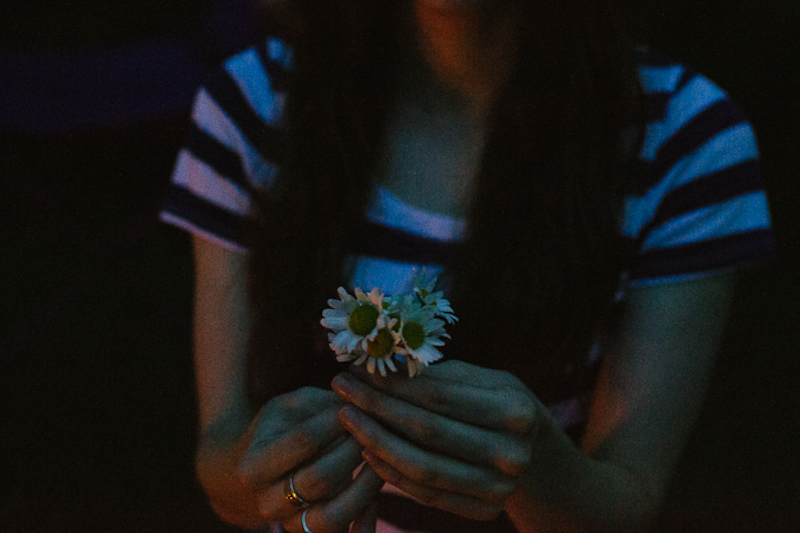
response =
{"points": [[698, 205], [232, 149]]}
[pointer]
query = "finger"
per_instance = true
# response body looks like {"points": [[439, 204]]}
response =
{"points": [[269, 459], [453, 502], [492, 406], [439, 433], [423, 467], [288, 409], [321, 479], [336, 515], [366, 521], [459, 371]]}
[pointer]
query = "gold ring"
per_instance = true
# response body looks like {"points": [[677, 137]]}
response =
{"points": [[291, 494]]}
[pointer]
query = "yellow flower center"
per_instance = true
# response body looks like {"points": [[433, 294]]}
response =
{"points": [[382, 345], [363, 320], [414, 335]]}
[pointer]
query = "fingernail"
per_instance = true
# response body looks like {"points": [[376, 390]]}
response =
{"points": [[342, 385], [349, 417]]}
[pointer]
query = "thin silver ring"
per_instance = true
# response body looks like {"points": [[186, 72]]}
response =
{"points": [[305, 526], [291, 494]]}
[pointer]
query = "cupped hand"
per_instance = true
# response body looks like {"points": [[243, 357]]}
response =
{"points": [[456, 437], [298, 435]]}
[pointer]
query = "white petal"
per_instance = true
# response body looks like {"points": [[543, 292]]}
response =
{"points": [[390, 364], [337, 323], [434, 298], [371, 365], [382, 366], [427, 354], [352, 341], [412, 367], [345, 357], [360, 296], [433, 325], [360, 360], [376, 297], [345, 341], [343, 294]]}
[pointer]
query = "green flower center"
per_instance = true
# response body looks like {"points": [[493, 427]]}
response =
{"points": [[414, 335], [382, 346], [363, 320]]}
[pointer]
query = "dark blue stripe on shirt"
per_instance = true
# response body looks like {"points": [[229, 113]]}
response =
{"points": [[264, 138], [277, 74], [375, 240], [715, 119], [705, 191], [739, 250], [686, 77], [222, 159], [656, 105], [207, 216]]}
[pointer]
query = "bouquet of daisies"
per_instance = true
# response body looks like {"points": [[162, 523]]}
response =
{"points": [[379, 329]]}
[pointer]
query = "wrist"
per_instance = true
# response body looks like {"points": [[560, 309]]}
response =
{"points": [[217, 457], [566, 490]]}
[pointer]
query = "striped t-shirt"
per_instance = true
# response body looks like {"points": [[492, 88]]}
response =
{"points": [[697, 206]]}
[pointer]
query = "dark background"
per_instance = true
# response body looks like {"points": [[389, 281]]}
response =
{"points": [[97, 408]]}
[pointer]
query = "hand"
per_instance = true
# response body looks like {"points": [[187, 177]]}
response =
{"points": [[456, 437], [298, 435]]}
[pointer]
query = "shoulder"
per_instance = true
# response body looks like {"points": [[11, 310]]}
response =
{"points": [[696, 204], [233, 146], [686, 110], [252, 82], [236, 127]]}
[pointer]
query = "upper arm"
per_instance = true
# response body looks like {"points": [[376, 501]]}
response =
{"points": [[654, 375], [222, 320]]}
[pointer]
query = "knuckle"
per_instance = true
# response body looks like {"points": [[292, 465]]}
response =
{"points": [[504, 489], [370, 402], [423, 474], [312, 488], [439, 400], [425, 432], [514, 460], [304, 441], [319, 483], [521, 416]]}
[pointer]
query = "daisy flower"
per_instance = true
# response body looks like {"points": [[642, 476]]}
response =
{"points": [[354, 320], [420, 333], [433, 300], [378, 352], [375, 329]]}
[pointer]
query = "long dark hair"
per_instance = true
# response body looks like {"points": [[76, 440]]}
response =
{"points": [[535, 278]]}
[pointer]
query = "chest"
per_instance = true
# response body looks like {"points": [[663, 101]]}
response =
{"points": [[430, 160]]}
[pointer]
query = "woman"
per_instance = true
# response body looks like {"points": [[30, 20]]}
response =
{"points": [[585, 203]]}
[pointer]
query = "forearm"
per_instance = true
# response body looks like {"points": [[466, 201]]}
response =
{"points": [[565, 490]]}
